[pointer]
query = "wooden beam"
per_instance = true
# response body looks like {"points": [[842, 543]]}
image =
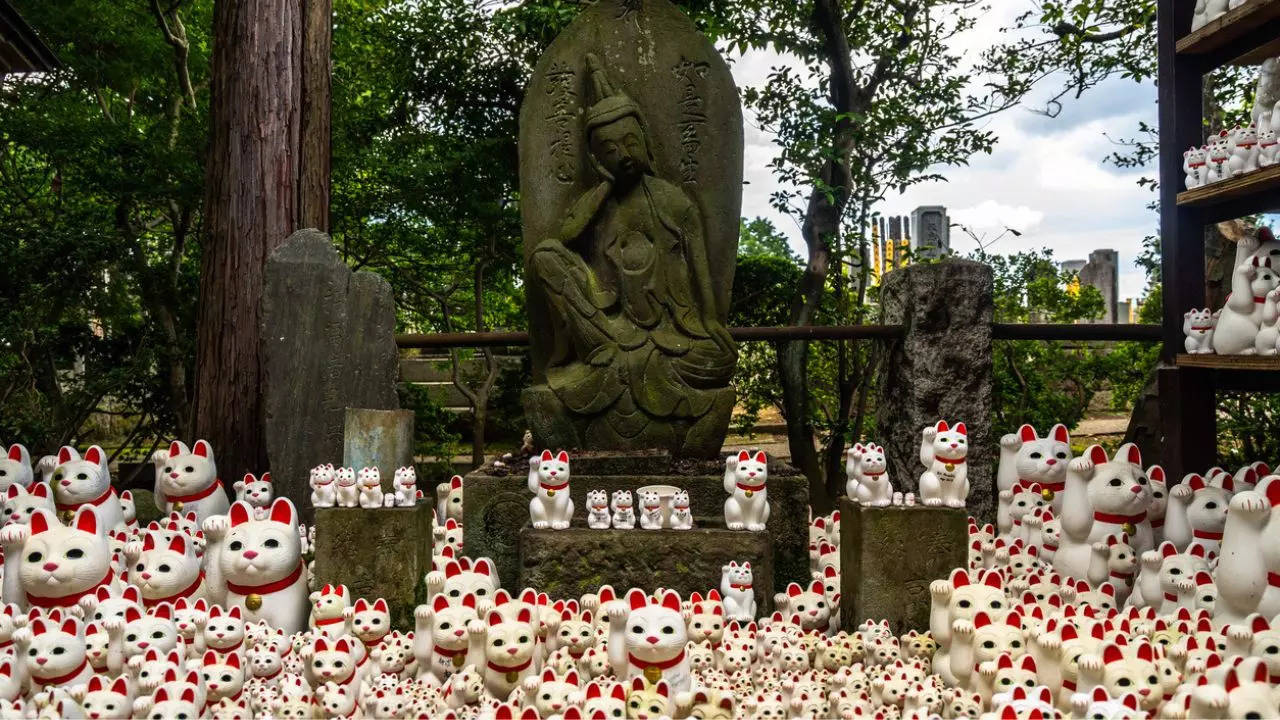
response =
{"points": [[1242, 36], [1269, 363], [1260, 189]]}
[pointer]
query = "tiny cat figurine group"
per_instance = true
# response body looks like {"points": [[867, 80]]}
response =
{"points": [[344, 487], [1244, 148], [1248, 323], [944, 482], [552, 509]]}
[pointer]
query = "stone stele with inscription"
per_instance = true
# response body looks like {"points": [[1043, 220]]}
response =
{"points": [[630, 182]]}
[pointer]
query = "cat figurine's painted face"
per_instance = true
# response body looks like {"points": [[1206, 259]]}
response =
{"points": [[738, 574], [20, 502], [553, 469], [655, 632], [406, 478], [950, 442], [874, 461], [479, 581], [163, 571], [680, 500], [329, 601], [555, 692], [452, 535], [77, 479], [108, 702], [369, 478], [224, 629], [185, 471], [449, 626], [510, 643], [1207, 511], [256, 491], [153, 630], [649, 501], [223, 675], [1135, 672], [322, 476], [58, 561], [345, 477], [15, 467], [751, 470], [622, 500], [181, 704], [810, 604], [256, 552], [647, 703], [1197, 323], [370, 621], [598, 500], [452, 502], [613, 705], [1043, 460], [55, 648], [1119, 486], [970, 598], [332, 661]]}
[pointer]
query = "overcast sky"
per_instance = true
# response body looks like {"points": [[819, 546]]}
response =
{"points": [[1046, 177]]}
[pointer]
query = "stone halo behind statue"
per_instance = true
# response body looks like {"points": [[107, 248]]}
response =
{"points": [[625, 211]]}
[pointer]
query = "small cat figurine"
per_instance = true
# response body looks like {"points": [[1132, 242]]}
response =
{"points": [[650, 510], [551, 505], [874, 488], [739, 597], [257, 491], [1198, 326], [681, 516], [745, 479], [945, 480], [15, 467], [598, 510], [406, 487], [348, 489], [370, 484], [187, 481], [624, 517], [323, 492], [165, 573]]}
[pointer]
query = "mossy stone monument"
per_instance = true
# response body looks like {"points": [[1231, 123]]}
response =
{"points": [[631, 192]]}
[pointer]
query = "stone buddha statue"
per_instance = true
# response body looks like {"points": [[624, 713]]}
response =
{"points": [[638, 357]]}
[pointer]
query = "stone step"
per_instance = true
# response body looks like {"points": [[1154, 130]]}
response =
{"points": [[568, 563], [496, 509]]}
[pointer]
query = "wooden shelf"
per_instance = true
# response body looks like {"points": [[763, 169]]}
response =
{"points": [[1230, 362], [1237, 37], [1260, 188]]}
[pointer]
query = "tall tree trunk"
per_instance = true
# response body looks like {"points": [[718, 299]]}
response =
{"points": [[252, 205], [317, 65]]}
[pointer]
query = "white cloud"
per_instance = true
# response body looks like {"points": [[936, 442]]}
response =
{"points": [[993, 215]]}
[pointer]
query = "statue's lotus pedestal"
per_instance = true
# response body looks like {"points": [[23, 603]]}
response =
{"points": [[377, 553], [568, 563], [890, 555], [496, 522]]}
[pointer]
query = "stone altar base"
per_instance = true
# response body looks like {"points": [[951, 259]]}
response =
{"points": [[568, 563], [496, 516], [377, 553], [888, 557]]}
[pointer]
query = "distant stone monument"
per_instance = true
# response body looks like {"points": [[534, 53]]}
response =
{"points": [[932, 237], [630, 183]]}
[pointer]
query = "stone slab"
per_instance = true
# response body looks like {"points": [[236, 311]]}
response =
{"points": [[382, 553], [328, 339], [941, 369], [888, 558], [568, 563], [496, 509], [381, 438]]}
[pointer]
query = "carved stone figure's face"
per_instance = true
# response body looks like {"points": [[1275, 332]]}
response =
{"points": [[620, 147]]}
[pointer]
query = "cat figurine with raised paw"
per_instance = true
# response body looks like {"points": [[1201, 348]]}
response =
{"points": [[370, 483], [598, 510], [874, 488], [406, 487], [257, 491], [551, 507], [624, 517], [650, 510], [943, 450], [746, 481], [323, 490], [1198, 326], [187, 481], [681, 516], [347, 487], [15, 467], [739, 597]]}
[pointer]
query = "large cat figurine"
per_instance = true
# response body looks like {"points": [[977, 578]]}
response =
{"points": [[1236, 332], [746, 480], [945, 480], [59, 565], [1026, 456], [647, 639], [1103, 497], [259, 564], [551, 506], [77, 482], [187, 481]]}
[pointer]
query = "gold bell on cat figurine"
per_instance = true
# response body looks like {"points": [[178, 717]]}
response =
{"points": [[253, 601], [1128, 528], [653, 673], [551, 493], [951, 467], [748, 493], [177, 507], [1046, 493]]}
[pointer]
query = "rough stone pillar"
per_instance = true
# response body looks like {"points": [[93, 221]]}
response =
{"points": [[382, 553], [888, 558], [328, 339], [378, 438], [939, 370]]}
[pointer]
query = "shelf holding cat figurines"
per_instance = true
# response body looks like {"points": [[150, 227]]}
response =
{"points": [[347, 487]]}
